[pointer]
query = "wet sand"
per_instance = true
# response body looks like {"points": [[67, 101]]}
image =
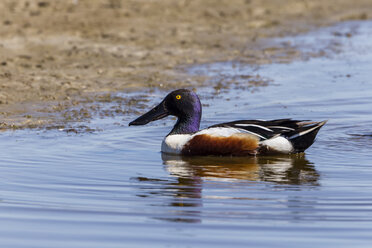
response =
{"points": [[60, 60]]}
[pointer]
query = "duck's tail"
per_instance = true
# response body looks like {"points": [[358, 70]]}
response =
{"points": [[303, 137]]}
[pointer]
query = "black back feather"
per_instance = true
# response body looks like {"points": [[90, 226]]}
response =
{"points": [[301, 133], [264, 129]]}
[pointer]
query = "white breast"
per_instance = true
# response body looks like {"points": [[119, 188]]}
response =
{"points": [[173, 144]]}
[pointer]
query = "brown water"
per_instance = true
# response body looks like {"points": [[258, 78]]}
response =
{"points": [[113, 188]]}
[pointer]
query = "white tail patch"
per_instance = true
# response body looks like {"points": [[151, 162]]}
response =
{"points": [[278, 144]]}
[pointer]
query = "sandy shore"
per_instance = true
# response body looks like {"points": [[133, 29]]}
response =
{"points": [[60, 59]]}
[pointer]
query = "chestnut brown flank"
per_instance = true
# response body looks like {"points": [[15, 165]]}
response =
{"points": [[234, 145]]}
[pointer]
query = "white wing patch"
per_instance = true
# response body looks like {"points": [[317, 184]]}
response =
{"points": [[249, 132], [219, 131], [226, 132], [281, 127], [254, 125]]}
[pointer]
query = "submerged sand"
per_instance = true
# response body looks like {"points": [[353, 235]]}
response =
{"points": [[60, 60]]}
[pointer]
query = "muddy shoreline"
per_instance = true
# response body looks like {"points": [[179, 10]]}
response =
{"points": [[61, 61]]}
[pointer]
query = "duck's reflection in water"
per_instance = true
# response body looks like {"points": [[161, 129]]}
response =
{"points": [[184, 193], [290, 169]]}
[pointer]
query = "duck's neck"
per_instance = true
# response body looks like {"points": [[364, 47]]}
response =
{"points": [[187, 125]]}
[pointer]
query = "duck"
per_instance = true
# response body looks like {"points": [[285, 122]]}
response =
{"points": [[235, 138]]}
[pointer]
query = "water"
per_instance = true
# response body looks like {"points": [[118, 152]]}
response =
{"points": [[113, 188]]}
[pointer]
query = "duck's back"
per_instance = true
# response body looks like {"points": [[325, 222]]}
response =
{"points": [[244, 138]]}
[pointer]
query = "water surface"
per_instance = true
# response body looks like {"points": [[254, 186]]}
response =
{"points": [[113, 188]]}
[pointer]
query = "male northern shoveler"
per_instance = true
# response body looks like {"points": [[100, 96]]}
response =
{"points": [[237, 138]]}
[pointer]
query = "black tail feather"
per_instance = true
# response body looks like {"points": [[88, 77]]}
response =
{"points": [[304, 137]]}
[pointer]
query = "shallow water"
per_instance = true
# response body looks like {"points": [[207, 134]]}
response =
{"points": [[114, 188]]}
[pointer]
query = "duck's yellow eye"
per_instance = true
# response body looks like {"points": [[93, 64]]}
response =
{"points": [[178, 97]]}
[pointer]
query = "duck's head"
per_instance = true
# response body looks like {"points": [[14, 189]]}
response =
{"points": [[182, 103]]}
